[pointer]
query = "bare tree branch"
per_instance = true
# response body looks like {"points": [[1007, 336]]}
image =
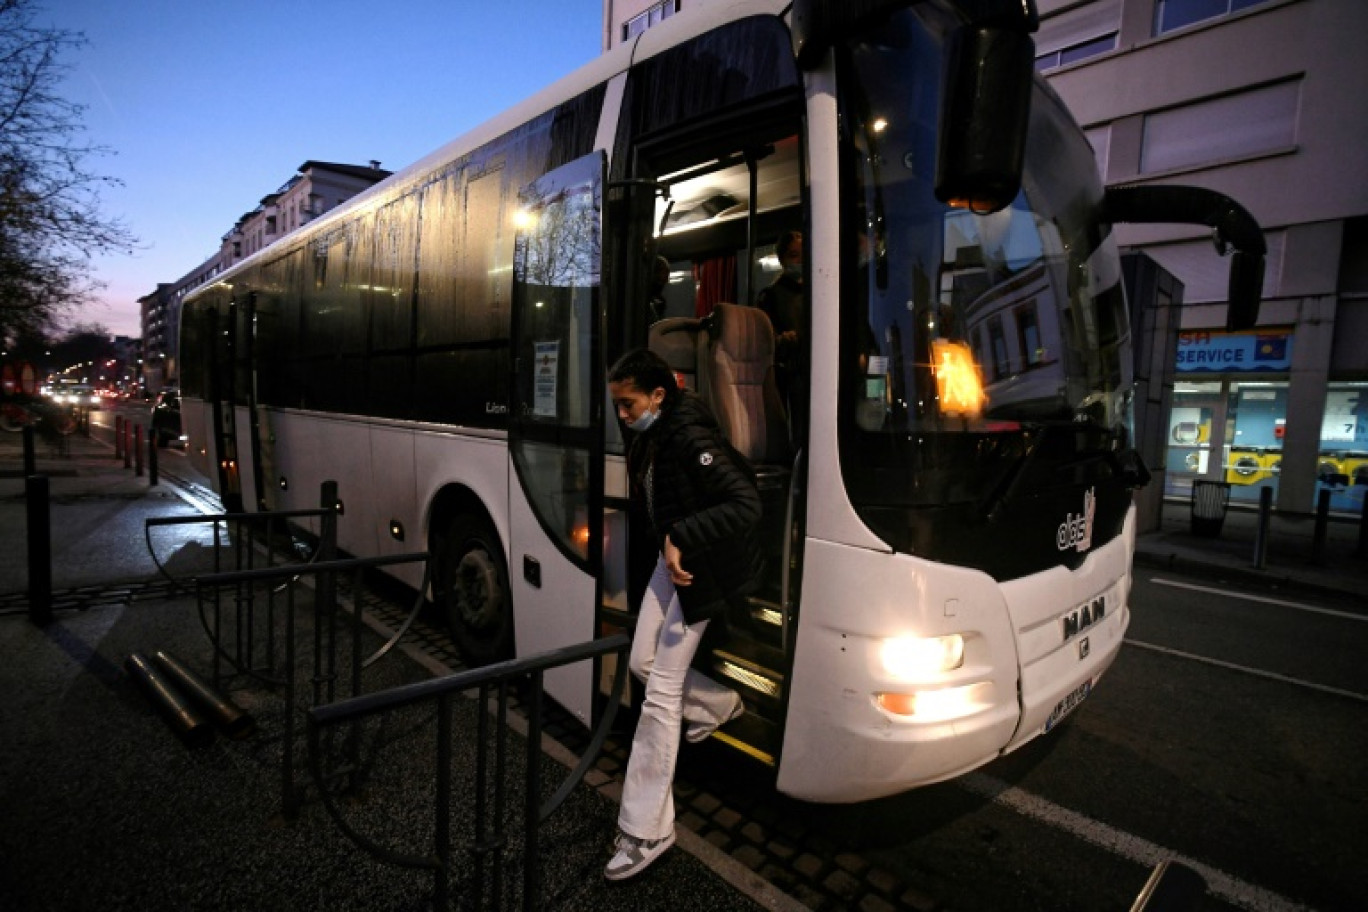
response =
{"points": [[51, 223]]}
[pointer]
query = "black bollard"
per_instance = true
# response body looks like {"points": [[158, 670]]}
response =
{"points": [[227, 715], [138, 451], [39, 549], [1322, 522], [1261, 534], [127, 448], [152, 476], [1362, 550], [185, 720], [30, 459]]}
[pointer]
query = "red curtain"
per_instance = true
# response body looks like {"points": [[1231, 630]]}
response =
{"points": [[716, 281]]}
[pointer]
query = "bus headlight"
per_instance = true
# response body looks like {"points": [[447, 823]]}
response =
{"points": [[917, 658]]}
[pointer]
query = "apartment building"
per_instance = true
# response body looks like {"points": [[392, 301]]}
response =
{"points": [[316, 188]]}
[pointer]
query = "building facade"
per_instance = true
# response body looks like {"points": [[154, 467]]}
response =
{"points": [[316, 188], [625, 19], [1262, 100]]}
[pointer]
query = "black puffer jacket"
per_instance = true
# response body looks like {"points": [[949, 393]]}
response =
{"points": [[703, 495]]}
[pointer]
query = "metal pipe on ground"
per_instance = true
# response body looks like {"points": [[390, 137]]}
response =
{"points": [[180, 714], [1172, 887], [232, 720]]}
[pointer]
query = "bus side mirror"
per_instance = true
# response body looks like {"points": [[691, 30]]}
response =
{"points": [[1235, 229], [985, 110]]}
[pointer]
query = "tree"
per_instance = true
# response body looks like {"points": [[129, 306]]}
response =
{"points": [[50, 219]]}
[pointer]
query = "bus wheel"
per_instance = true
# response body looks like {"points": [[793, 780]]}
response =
{"points": [[473, 592]]}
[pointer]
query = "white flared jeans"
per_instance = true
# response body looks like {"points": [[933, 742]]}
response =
{"points": [[662, 649]]}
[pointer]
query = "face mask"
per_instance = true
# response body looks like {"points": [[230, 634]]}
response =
{"points": [[644, 423], [794, 271]]}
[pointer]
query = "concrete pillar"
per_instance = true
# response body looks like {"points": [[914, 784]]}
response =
{"points": [[1311, 348]]}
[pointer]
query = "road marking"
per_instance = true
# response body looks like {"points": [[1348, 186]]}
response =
{"points": [[1348, 615], [1128, 846], [1257, 672]]}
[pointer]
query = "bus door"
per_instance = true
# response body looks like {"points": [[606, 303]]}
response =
{"points": [[250, 418], [556, 420], [221, 390], [714, 132]]}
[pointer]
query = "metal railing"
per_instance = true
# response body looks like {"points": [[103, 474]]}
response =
{"points": [[491, 836], [323, 665], [262, 608]]}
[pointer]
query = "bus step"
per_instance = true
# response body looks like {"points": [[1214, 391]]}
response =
{"points": [[745, 663], [752, 735], [766, 613]]}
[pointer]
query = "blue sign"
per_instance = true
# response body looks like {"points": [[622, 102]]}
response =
{"points": [[1255, 351]]}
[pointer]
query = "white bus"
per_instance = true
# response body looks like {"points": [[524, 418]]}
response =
{"points": [[947, 475]]}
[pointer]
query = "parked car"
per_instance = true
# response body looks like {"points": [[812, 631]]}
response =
{"points": [[166, 417]]}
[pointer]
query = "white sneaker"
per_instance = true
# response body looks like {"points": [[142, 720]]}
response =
{"points": [[633, 855], [699, 731]]}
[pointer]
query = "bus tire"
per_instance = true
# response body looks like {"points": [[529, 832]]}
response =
{"points": [[473, 592]]}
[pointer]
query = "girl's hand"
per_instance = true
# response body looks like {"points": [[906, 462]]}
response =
{"points": [[673, 562]]}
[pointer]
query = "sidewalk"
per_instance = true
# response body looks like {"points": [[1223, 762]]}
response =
{"points": [[105, 808], [1290, 559]]}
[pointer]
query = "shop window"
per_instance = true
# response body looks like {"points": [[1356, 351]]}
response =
{"points": [[1257, 418], [1197, 411], [1342, 465]]}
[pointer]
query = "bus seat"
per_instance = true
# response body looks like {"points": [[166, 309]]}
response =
{"points": [[676, 340], [738, 382]]}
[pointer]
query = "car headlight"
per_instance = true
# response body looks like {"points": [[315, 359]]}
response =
{"points": [[916, 658]]}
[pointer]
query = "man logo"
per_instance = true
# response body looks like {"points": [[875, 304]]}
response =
{"points": [[1076, 531], [1083, 617]]}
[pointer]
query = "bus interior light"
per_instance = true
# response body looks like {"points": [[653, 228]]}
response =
{"points": [[959, 383], [916, 658]]}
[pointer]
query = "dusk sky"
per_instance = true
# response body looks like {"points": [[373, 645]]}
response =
{"points": [[207, 106]]}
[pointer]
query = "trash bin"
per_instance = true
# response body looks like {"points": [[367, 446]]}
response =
{"points": [[1209, 502]]}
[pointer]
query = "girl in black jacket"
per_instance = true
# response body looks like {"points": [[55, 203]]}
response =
{"points": [[704, 509]]}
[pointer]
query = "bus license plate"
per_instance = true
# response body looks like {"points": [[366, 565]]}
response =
{"points": [[1068, 704]]}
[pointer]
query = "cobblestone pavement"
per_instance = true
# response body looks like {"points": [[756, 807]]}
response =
{"points": [[743, 816]]}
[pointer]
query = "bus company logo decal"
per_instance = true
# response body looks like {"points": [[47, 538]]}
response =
{"points": [[1083, 617], [1076, 531]]}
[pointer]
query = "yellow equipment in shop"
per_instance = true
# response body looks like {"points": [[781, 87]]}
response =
{"points": [[1355, 464], [1251, 465], [1329, 468]]}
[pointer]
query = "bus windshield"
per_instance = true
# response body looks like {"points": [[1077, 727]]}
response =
{"points": [[985, 356]]}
